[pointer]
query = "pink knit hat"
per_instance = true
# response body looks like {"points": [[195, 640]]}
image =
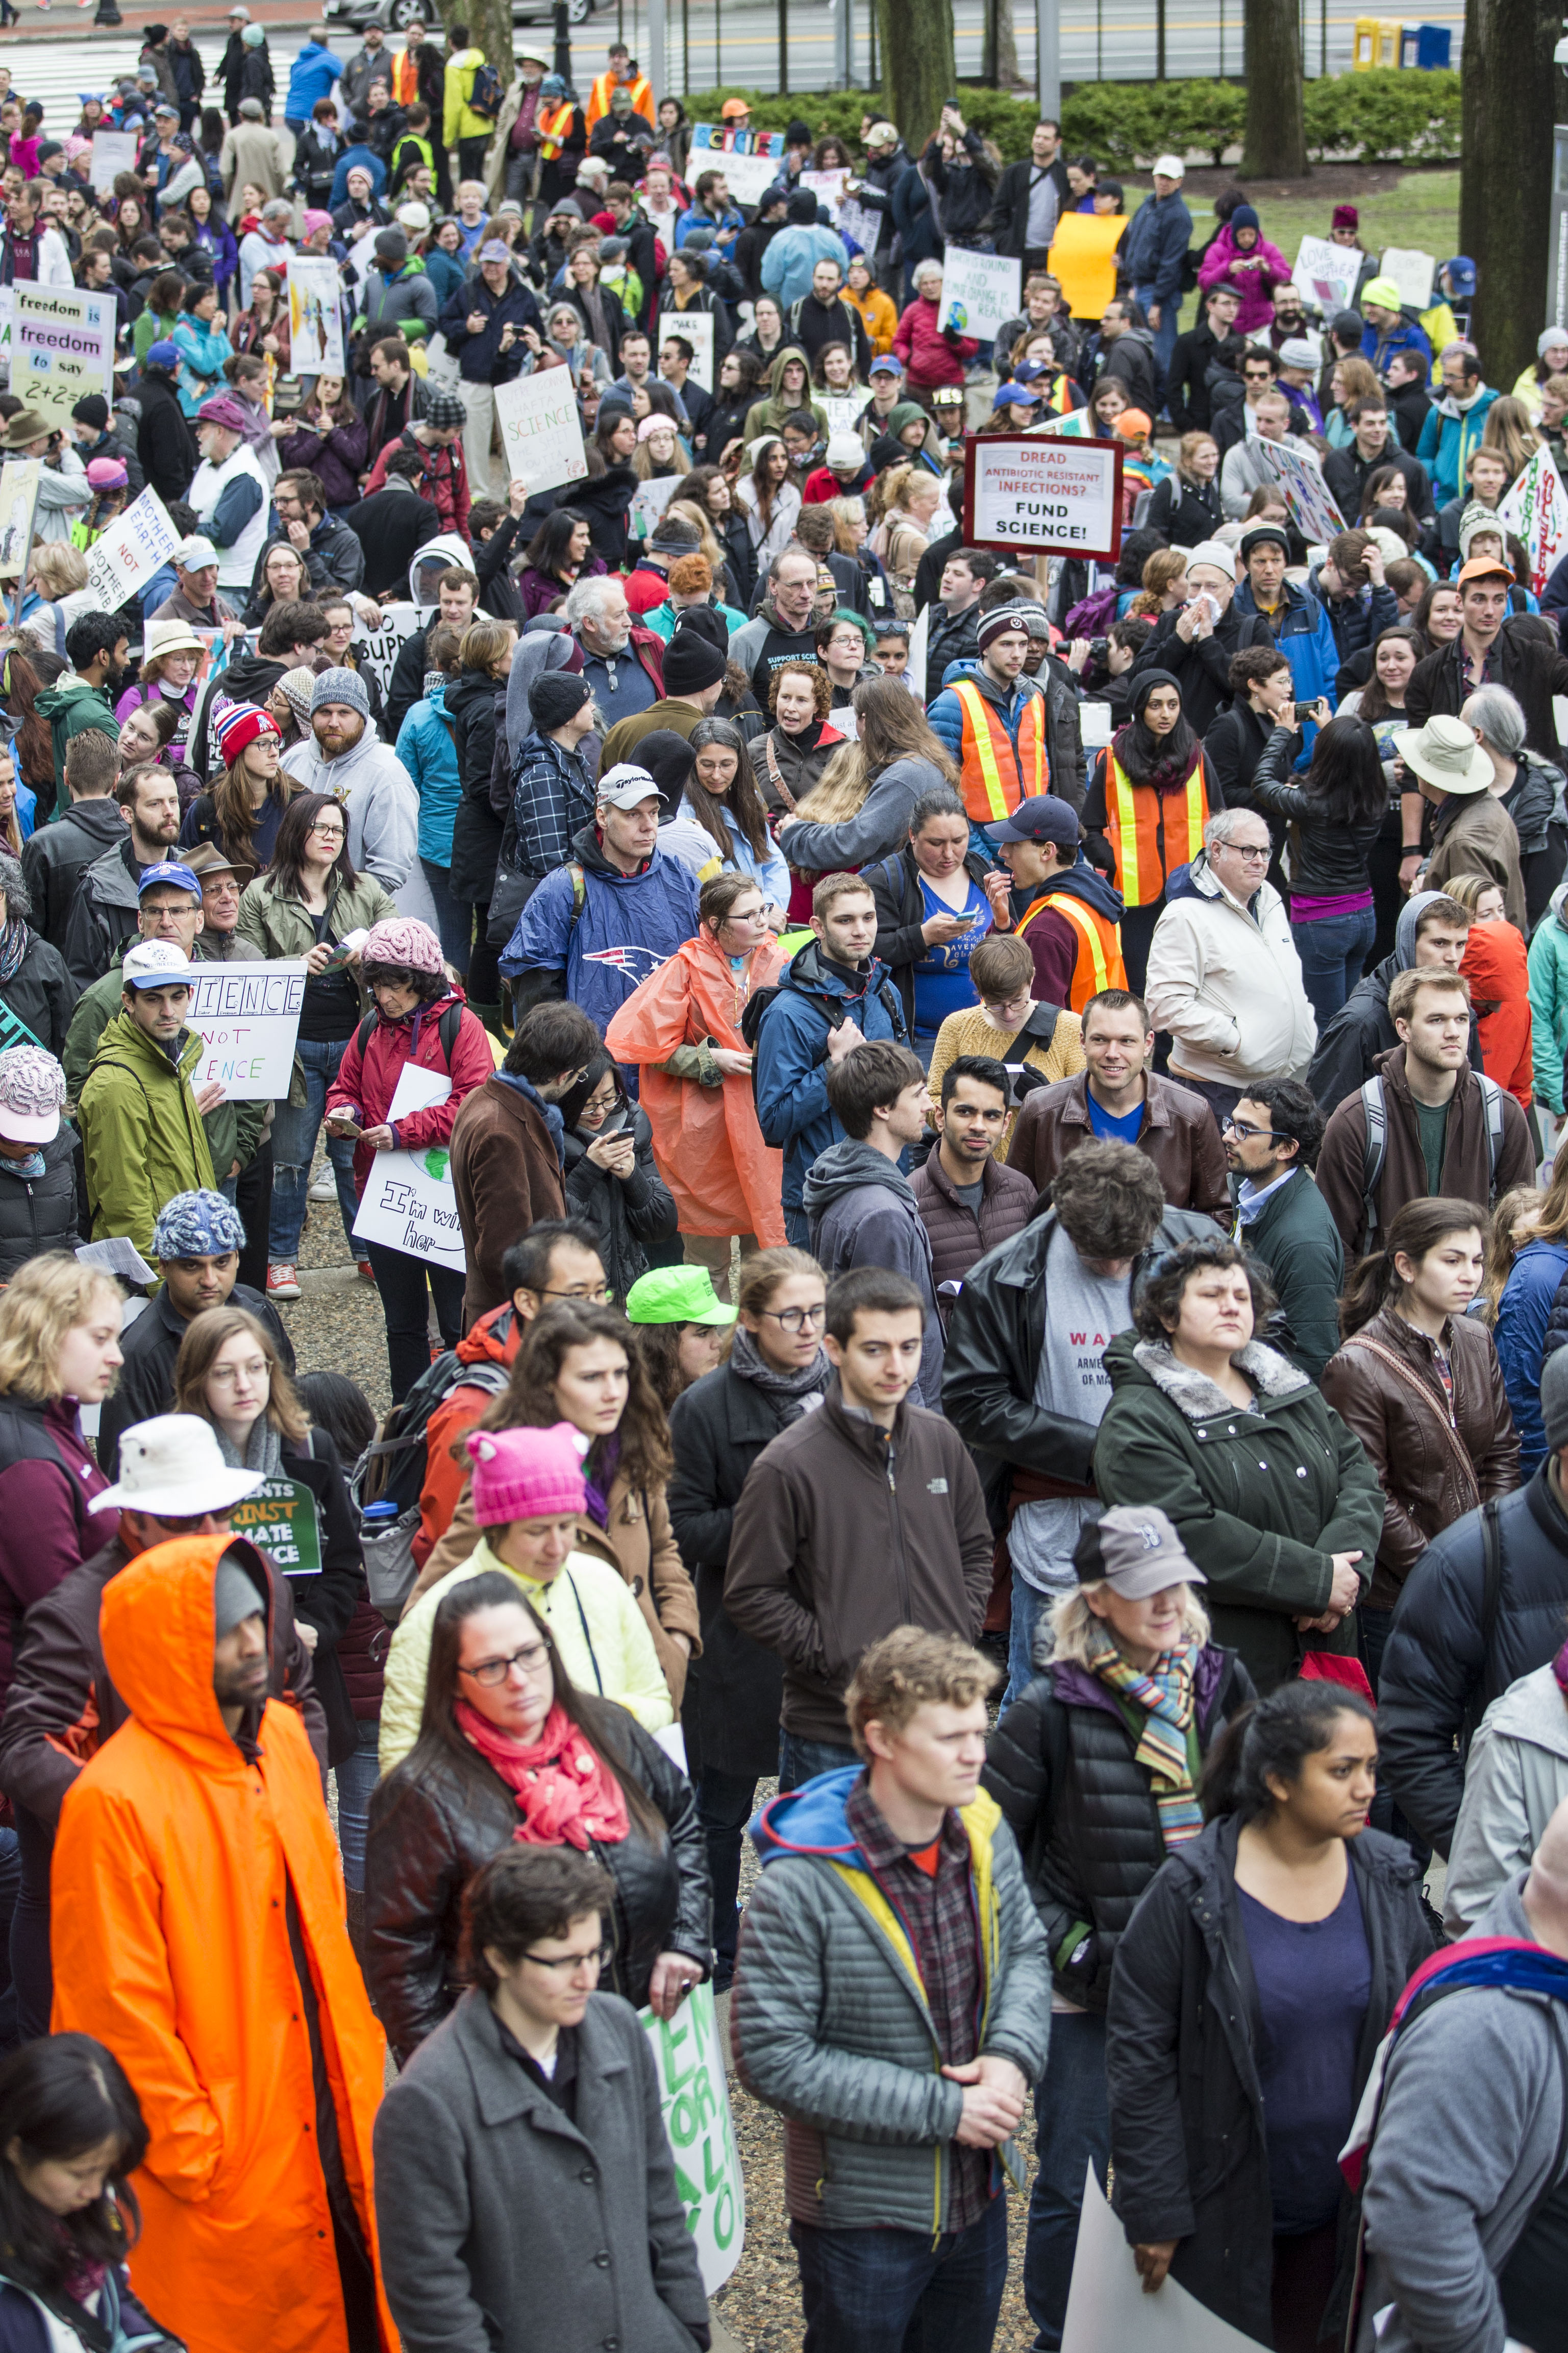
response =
{"points": [[403, 941], [526, 1475]]}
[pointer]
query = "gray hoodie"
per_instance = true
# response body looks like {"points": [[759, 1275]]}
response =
{"points": [[382, 811], [879, 830], [1467, 2141], [863, 1213]]}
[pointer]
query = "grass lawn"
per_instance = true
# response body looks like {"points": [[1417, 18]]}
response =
{"points": [[1421, 210]]}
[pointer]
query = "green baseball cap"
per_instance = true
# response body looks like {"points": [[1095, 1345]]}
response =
{"points": [[676, 1294]]}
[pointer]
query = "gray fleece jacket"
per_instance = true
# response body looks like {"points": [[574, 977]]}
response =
{"points": [[863, 1213], [879, 829], [1471, 2123]]}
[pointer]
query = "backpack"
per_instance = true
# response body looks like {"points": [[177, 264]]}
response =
{"points": [[759, 1000], [391, 1471], [487, 94], [1376, 1151], [446, 1029]]}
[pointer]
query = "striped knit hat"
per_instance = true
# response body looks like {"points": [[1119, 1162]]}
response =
{"points": [[237, 724]]}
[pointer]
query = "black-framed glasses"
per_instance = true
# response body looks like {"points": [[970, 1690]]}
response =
{"points": [[1245, 1127], [598, 1959], [1244, 849], [533, 1659], [795, 1319], [593, 1294]]}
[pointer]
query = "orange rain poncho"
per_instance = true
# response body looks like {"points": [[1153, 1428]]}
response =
{"points": [[706, 1141], [171, 1945]]}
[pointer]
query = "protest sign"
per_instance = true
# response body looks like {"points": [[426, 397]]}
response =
{"points": [[247, 1017], [383, 644], [62, 349], [1308, 500], [1083, 256], [1033, 490], [857, 225], [1412, 271], [649, 501], [124, 557], [408, 1202], [979, 292], [7, 315], [843, 412], [1536, 510], [315, 316], [18, 499], [281, 1520], [112, 151], [541, 431], [919, 638], [1107, 2310], [697, 326], [1325, 274], [827, 187], [750, 161], [700, 2131]]}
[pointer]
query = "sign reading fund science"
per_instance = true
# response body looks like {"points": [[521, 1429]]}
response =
{"points": [[1043, 494]]}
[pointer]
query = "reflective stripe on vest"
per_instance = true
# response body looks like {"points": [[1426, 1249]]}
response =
{"points": [[1135, 819], [1099, 939], [987, 796], [552, 127]]}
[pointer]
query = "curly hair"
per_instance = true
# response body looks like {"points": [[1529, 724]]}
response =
{"points": [[642, 1452], [821, 685], [1157, 1307]]}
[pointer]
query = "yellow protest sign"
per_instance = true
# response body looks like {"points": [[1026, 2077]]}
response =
{"points": [[1083, 256]]}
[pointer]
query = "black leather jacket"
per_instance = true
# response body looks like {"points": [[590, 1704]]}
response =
{"points": [[1326, 856], [431, 1828]]}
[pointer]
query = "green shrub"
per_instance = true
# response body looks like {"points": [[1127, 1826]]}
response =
{"points": [[1385, 114]]}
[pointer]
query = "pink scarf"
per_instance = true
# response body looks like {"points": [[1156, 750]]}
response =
{"points": [[564, 1791]]}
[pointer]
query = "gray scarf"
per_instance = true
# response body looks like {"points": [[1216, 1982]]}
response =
{"points": [[263, 1449], [789, 1394]]}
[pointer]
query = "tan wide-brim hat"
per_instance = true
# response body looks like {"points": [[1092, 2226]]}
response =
{"points": [[1444, 752], [26, 428]]}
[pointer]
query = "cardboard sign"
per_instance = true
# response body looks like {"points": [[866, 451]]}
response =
{"points": [[1536, 510], [541, 431], [857, 225], [696, 327], [112, 151], [123, 558], [1308, 501], [827, 187], [281, 1521], [1412, 271], [248, 1016], [18, 499], [1049, 496], [700, 2131], [62, 349], [1083, 256], [649, 501], [409, 1203], [315, 316], [1107, 2308], [382, 644], [979, 292], [1325, 274]]}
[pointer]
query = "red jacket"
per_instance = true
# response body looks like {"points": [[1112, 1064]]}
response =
{"points": [[445, 480], [928, 358], [493, 1342], [367, 1083], [1494, 965]]}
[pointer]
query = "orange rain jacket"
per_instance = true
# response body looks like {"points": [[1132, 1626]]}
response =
{"points": [[171, 1945], [706, 1144]]}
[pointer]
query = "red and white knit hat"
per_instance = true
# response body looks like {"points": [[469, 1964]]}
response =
{"points": [[240, 724]]}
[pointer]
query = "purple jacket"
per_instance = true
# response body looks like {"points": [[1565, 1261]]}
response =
{"points": [[538, 590], [1253, 288], [337, 458]]}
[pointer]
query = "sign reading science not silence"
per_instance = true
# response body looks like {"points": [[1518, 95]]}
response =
{"points": [[1041, 494]]}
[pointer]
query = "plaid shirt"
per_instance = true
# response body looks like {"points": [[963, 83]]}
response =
{"points": [[551, 801], [938, 1917]]}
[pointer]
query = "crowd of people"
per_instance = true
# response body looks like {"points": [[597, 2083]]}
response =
{"points": [[938, 1057]]}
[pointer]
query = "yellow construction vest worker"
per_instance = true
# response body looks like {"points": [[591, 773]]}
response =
{"points": [[1098, 963], [553, 128], [1153, 833], [993, 777]]}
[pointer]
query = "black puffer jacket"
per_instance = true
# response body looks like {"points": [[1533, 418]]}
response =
{"points": [[625, 1216], [40, 1213], [431, 1827], [1061, 1766], [475, 706], [1327, 858], [42, 993]]}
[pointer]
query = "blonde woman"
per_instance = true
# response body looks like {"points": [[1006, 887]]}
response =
{"points": [[1510, 432], [1009, 1022], [1514, 1222], [57, 576], [910, 500]]}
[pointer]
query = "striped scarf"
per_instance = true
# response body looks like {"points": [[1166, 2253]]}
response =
{"points": [[1165, 1695]]}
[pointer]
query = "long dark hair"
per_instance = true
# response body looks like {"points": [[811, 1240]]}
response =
{"points": [[1346, 775], [1273, 1737], [1149, 759], [286, 875], [33, 744], [441, 1742], [60, 2098], [743, 806], [528, 1402], [1374, 702], [1416, 1228], [551, 545]]}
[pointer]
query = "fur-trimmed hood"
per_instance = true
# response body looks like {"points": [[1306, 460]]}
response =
{"points": [[1272, 1375]]}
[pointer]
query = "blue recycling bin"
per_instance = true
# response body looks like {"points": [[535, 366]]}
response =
{"points": [[1425, 46]]}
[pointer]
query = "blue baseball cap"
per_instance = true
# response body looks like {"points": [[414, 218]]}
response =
{"points": [[166, 870], [1021, 396], [163, 355], [885, 366]]}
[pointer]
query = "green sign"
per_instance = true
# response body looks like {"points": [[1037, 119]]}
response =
{"points": [[280, 1520]]}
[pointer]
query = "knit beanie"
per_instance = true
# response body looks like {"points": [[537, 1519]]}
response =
{"points": [[403, 942], [237, 724], [1346, 217], [1547, 338], [1244, 216], [197, 1225], [691, 663], [234, 1598], [802, 207], [525, 1475], [556, 696], [339, 686], [299, 685]]}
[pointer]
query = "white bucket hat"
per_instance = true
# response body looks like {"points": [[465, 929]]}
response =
{"points": [[1446, 752], [172, 1467]]}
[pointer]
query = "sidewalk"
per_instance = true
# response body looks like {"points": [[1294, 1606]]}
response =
{"points": [[68, 19]]}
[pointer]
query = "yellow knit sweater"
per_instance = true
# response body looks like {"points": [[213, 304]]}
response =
{"points": [[971, 1033]]}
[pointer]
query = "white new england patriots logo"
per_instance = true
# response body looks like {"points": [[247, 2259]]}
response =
{"points": [[636, 963]]}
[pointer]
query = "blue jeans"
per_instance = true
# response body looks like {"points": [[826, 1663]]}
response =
{"points": [[1029, 1607], [357, 1778], [1164, 334], [797, 1229], [1333, 952], [294, 1133], [803, 1761], [900, 2292], [1072, 2124], [454, 917], [724, 1803]]}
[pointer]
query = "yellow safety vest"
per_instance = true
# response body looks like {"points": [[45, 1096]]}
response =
{"points": [[987, 796], [1098, 964], [1136, 824]]}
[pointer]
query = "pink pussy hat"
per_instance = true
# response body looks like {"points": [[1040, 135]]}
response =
{"points": [[526, 1475]]}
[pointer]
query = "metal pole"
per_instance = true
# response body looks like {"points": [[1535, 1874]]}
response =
{"points": [[562, 63], [1221, 39], [1100, 40], [685, 46], [1049, 56], [1158, 40], [658, 63], [718, 45], [871, 49], [1324, 44], [784, 48]]}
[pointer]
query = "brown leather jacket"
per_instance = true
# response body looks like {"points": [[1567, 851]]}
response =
{"points": [[1178, 1135], [1433, 1469]]}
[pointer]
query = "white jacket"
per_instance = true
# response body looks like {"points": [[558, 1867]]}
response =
{"points": [[1516, 1778], [63, 493], [1225, 981]]}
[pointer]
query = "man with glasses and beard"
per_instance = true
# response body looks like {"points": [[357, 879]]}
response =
{"points": [[341, 757]]}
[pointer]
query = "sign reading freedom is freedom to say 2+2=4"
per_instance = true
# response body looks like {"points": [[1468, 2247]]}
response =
{"points": [[1044, 493]]}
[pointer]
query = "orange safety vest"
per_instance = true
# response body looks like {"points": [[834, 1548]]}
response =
{"points": [[1098, 963], [994, 777], [642, 99], [404, 77], [1136, 822], [553, 128]]}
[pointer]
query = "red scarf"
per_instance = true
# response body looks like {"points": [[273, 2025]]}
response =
{"points": [[565, 1792]]}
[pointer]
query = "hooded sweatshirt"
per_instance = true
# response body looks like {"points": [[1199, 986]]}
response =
{"points": [[1361, 1031], [383, 810], [863, 1213], [1548, 995]]}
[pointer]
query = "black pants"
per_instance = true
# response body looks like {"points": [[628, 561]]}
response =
{"points": [[483, 982], [253, 1199], [31, 1974], [471, 153], [406, 1285]]}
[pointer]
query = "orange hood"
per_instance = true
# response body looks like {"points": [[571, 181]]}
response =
{"points": [[157, 1622], [1495, 962]]}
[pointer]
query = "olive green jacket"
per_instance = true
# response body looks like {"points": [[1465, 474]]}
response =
{"points": [[142, 1136], [234, 1129]]}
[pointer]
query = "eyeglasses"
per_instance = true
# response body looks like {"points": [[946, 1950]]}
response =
{"points": [[596, 1294], [795, 1319], [1245, 1127], [328, 832], [1244, 850], [226, 1376], [533, 1659], [599, 1958]]}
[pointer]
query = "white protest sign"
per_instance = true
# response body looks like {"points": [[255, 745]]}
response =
{"points": [[1412, 271], [381, 645], [843, 413], [919, 638], [747, 175], [248, 1017], [18, 498], [7, 315], [1107, 2310], [1325, 273], [979, 292], [1308, 500], [541, 431], [827, 187], [649, 501], [1055, 497], [112, 151], [857, 225], [315, 316], [697, 326], [408, 1202], [62, 348], [1536, 510], [123, 558], [700, 2131]]}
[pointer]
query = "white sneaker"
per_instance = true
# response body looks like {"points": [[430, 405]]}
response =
{"points": [[324, 1188]]}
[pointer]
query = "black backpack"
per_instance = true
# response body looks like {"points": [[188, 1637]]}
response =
{"points": [[759, 1000], [487, 94], [391, 1469], [446, 1029]]}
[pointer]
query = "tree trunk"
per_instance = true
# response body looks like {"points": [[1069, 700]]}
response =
{"points": [[1507, 88], [919, 70], [490, 28], [1276, 124], [1006, 46]]}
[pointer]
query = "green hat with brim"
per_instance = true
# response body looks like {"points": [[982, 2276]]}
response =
{"points": [[676, 1294]]}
